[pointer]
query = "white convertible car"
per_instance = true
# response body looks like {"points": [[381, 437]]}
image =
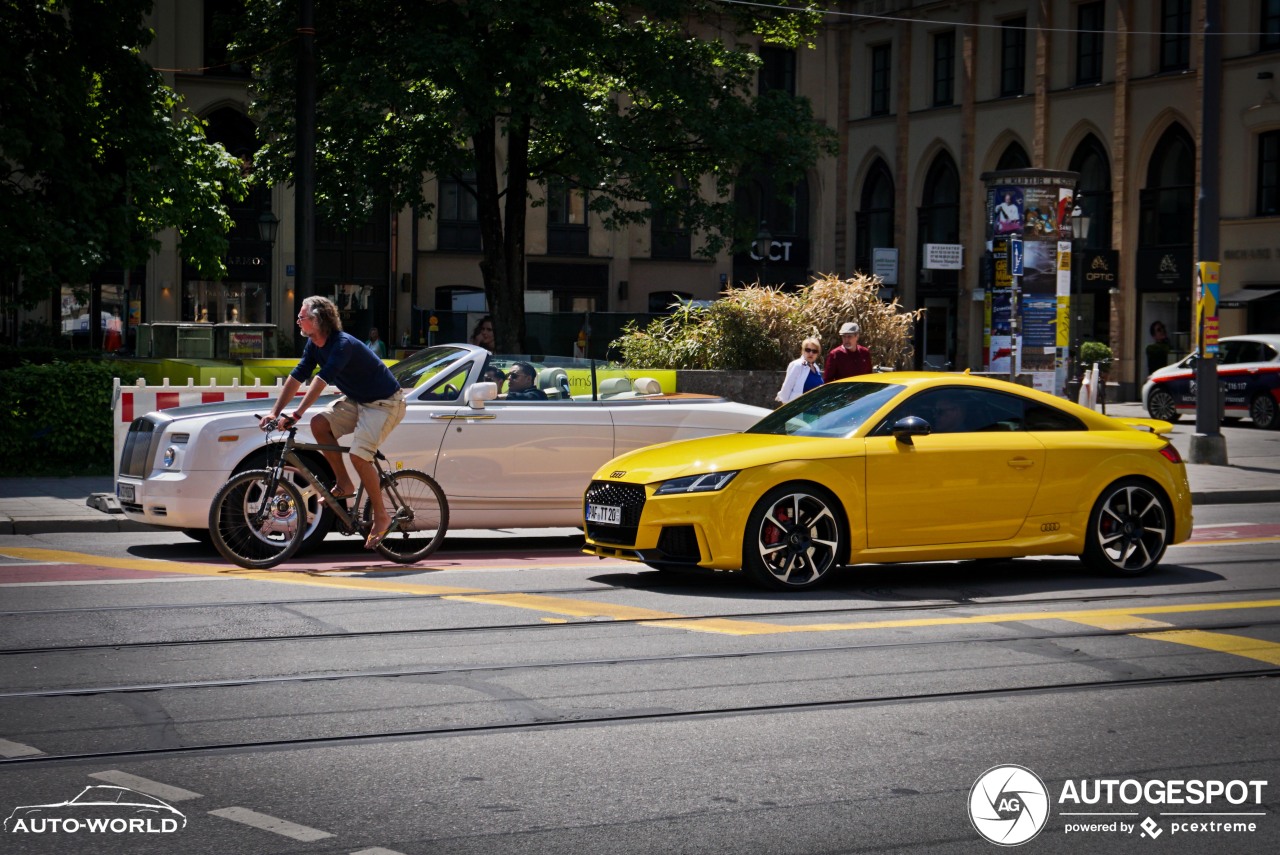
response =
{"points": [[501, 463]]}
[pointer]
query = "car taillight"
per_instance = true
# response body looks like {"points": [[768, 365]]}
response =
{"points": [[1170, 453]]}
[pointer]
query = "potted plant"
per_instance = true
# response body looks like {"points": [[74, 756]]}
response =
{"points": [[1092, 352]]}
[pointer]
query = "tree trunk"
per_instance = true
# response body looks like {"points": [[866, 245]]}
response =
{"points": [[502, 237]]}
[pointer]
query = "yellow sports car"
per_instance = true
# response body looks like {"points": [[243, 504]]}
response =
{"points": [[898, 467]]}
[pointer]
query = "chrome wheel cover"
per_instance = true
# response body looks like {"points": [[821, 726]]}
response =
{"points": [[1161, 406]]}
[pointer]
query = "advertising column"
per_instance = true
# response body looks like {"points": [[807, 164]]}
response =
{"points": [[1028, 231]]}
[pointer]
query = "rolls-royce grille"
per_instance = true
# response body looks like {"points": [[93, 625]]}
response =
{"points": [[629, 497], [135, 459]]}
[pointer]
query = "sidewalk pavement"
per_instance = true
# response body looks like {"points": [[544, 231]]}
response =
{"points": [[48, 505]]}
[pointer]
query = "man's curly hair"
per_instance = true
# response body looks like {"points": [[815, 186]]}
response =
{"points": [[324, 313]]}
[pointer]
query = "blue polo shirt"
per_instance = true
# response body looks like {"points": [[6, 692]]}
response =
{"points": [[345, 362]]}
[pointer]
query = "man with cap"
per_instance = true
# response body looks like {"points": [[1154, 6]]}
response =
{"points": [[847, 359]]}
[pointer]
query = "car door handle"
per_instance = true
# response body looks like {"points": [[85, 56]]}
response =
{"points": [[448, 417], [1021, 463]]}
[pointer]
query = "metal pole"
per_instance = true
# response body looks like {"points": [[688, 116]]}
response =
{"points": [[1208, 445], [305, 162]]}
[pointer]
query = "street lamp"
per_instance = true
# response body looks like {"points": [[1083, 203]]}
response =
{"points": [[1079, 234], [268, 223], [763, 247]]}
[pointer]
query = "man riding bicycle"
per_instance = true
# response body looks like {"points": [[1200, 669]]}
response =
{"points": [[371, 406]]}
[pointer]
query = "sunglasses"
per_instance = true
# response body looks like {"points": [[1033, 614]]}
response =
{"points": [[810, 350]]}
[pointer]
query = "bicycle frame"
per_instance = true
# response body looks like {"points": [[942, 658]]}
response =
{"points": [[288, 455]]}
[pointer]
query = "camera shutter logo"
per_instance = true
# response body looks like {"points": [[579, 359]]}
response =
{"points": [[1008, 805]]}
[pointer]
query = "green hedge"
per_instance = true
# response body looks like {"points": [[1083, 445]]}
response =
{"points": [[56, 419]]}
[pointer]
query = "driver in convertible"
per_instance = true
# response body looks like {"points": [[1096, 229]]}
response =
{"points": [[371, 406]]}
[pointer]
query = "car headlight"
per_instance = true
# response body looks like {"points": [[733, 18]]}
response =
{"points": [[707, 483], [170, 456]]}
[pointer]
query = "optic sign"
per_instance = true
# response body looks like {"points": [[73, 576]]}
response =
{"points": [[944, 256]]}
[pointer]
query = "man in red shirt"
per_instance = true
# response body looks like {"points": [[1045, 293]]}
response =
{"points": [[848, 359]]}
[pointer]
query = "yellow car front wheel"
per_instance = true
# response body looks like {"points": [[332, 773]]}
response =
{"points": [[794, 538]]}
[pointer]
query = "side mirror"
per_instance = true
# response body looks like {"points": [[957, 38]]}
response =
{"points": [[481, 392], [905, 428]]}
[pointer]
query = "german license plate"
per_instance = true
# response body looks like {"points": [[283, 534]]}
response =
{"points": [[124, 492], [608, 514]]}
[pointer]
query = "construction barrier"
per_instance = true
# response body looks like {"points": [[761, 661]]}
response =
{"points": [[132, 401]]}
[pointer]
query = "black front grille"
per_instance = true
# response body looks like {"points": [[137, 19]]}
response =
{"points": [[135, 459], [629, 497]]}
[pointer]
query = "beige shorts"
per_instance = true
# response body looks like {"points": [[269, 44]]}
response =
{"points": [[369, 424]]}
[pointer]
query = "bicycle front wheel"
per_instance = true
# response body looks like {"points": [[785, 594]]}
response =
{"points": [[420, 515], [257, 520]]}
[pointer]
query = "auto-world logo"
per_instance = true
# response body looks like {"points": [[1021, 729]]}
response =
{"points": [[98, 810], [1008, 805]]}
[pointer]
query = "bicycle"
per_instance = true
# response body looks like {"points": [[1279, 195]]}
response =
{"points": [[258, 518]]}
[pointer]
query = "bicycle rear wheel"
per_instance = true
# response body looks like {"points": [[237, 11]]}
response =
{"points": [[420, 513], [257, 520]]}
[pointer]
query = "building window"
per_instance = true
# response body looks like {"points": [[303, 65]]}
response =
{"points": [[1093, 193], [458, 217], [1013, 56], [566, 218], [669, 237], [944, 69], [778, 70], [1269, 174], [875, 216], [1269, 27], [880, 55], [222, 20], [1013, 157], [1175, 35], [1089, 20], [1169, 198]]}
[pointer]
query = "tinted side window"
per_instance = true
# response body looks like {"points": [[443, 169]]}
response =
{"points": [[1044, 417]]}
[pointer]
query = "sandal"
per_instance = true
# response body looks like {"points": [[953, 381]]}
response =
{"points": [[376, 537]]}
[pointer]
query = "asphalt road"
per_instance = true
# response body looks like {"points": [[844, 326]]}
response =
{"points": [[531, 699]]}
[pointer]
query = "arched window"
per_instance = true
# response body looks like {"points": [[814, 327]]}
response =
{"points": [[1014, 157], [940, 204], [784, 213], [1093, 194], [1168, 200], [874, 225]]}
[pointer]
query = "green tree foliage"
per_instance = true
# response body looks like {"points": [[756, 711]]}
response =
{"points": [[762, 328], [641, 104], [98, 154]]}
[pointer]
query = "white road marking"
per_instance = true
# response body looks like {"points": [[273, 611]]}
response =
{"points": [[273, 824], [17, 749], [143, 785]]}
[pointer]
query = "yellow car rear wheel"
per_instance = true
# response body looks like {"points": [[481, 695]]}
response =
{"points": [[795, 537], [1129, 528]]}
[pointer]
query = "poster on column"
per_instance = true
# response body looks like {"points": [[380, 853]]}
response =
{"points": [[1000, 344]]}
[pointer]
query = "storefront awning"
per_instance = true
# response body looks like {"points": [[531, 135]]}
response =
{"points": [[1238, 299]]}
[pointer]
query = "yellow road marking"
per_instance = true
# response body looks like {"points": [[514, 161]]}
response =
{"points": [[1111, 619], [287, 577], [1221, 642]]}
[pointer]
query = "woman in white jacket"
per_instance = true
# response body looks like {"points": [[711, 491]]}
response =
{"points": [[803, 374]]}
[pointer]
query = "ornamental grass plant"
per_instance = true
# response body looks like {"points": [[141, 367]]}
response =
{"points": [[761, 328]]}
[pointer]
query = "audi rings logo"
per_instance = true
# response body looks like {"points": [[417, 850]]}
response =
{"points": [[1008, 805]]}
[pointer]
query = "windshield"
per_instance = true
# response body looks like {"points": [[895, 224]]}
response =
{"points": [[833, 410], [426, 364]]}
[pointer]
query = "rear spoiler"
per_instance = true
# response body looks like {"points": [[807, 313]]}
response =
{"points": [[1156, 426]]}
